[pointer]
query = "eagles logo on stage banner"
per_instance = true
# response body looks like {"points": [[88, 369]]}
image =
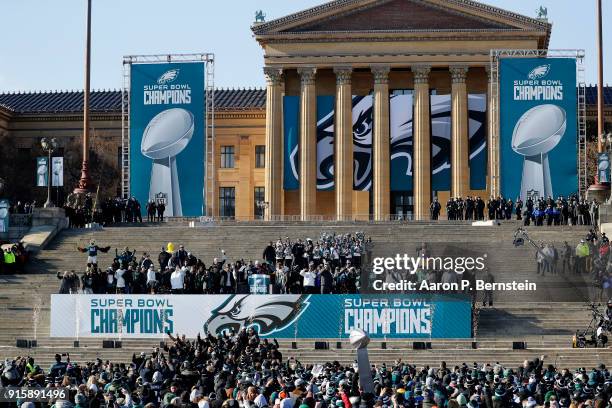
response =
{"points": [[280, 316]]}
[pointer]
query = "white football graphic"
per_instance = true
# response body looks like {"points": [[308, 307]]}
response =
{"points": [[167, 134], [359, 338], [539, 130]]}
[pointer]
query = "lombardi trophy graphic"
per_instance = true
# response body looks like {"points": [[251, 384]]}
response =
{"points": [[536, 133], [359, 339], [167, 135]]}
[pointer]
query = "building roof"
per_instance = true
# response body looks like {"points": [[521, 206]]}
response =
{"points": [[591, 95], [110, 101]]}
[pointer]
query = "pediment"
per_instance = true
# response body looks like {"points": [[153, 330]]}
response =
{"points": [[372, 16]]}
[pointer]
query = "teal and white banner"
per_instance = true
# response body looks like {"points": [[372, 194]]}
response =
{"points": [[167, 135], [42, 171], [477, 129], [401, 145], [259, 284], [4, 215], [538, 115], [291, 129], [280, 316], [440, 113], [57, 172], [603, 167]]}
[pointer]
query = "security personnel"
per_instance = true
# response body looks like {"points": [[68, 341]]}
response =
{"points": [[582, 252], [9, 260]]}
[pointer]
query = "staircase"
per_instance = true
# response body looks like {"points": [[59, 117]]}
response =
{"points": [[545, 319]]}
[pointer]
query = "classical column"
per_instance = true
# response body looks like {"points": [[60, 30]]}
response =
{"points": [[308, 143], [460, 170], [492, 149], [274, 141], [422, 143], [382, 158], [344, 144]]}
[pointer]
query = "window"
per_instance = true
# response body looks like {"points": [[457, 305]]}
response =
{"points": [[227, 202], [260, 157], [227, 157], [260, 198]]}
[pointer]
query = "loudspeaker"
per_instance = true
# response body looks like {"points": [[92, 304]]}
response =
{"points": [[294, 345], [162, 344], [421, 345], [321, 345], [519, 345], [474, 345], [117, 344], [76, 344], [338, 344], [22, 343], [33, 343], [383, 345], [108, 344]]}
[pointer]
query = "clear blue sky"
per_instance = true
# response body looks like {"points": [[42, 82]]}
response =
{"points": [[41, 42]]}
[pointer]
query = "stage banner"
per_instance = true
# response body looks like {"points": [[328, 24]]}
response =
{"points": [[440, 114], [538, 114], [57, 172], [281, 316], [42, 171], [291, 129], [362, 142], [258, 284], [167, 151], [603, 167], [477, 128], [325, 142], [401, 146]]}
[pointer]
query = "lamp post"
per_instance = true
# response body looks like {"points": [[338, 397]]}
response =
{"points": [[49, 146], [85, 185], [600, 96], [600, 191]]}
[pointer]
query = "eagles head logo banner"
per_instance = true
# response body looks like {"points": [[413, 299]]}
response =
{"points": [[362, 142], [441, 125]]}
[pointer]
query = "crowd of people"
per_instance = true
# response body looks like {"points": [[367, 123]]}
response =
{"points": [[110, 211], [22, 207], [562, 211], [240, 370], [330, 264]]}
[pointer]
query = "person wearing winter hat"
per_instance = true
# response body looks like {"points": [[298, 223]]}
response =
{"points": [[80, 401]]}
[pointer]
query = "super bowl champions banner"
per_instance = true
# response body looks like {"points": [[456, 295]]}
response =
{"points": [[538, 113], [42, 171], [167, 135], [280, 316]]}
